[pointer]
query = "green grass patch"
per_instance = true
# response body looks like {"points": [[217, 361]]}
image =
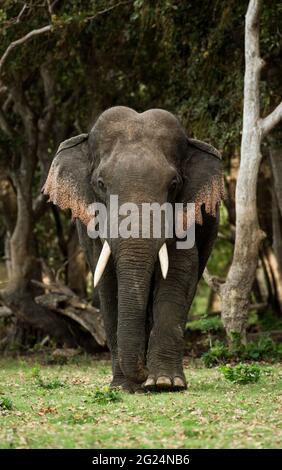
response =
{"points": [[242, 373], [212, 413]]}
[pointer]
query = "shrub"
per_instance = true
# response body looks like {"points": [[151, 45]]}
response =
{"points": [[263, 349], [205, 325], [241, 373], [6, 403], [50, 384], [216, 354], [106, 395]]}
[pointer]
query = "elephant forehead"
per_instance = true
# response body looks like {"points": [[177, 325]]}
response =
{"points": [[140, 161], [126, 125], [122, 113]]}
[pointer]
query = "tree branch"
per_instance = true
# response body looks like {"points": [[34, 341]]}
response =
{"points": [[18, 19], [48, 28], [213, 282], [47, 115], [22, 40], [4, 125], [3, 88], [253, 63], [106, 10], [270, 121], [25, 112], [45, 123], [252, 15], [7, 103], [49, 5]]}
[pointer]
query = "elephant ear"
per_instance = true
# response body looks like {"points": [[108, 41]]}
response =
{"points": [[203, 178], [68, 182]]}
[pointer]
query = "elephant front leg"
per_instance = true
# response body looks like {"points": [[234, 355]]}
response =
{"points": [[108, 305], [172, 300], [109, 308]]}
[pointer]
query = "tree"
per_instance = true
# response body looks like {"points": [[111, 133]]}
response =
{"points": [[235, 292]]}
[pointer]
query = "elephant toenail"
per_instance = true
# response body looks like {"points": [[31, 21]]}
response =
{"points": [[149, 382], [163, 381], [179, 382]]}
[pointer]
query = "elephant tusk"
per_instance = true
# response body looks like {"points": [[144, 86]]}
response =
{"points": [[163, 257], [102, 263]]}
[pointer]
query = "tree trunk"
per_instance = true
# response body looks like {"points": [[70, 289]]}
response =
{"points": [[214, 303], [263, 282], [235, 293], [276, 166], [8, 208], [274, 277], [276, 229], [76, 267]]}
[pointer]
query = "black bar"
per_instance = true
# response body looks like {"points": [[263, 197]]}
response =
{"points": [[126, 458]]}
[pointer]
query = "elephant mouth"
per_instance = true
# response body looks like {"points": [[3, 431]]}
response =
{"points": [[106, 253]]}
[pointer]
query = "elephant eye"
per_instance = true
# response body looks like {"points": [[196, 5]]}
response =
{"points": [[173, 184], [101, 184]]}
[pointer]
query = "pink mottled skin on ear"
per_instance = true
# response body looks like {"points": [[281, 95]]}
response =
{"points": [[209, 196], [64, 194]]}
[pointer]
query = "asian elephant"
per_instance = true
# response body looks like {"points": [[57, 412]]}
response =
{"points": [[141, 157]]}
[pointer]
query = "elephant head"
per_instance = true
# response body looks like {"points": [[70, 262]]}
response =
{"points": [[142, 158]]}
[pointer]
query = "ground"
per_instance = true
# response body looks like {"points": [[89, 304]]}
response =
{"points": [[68, 406]]}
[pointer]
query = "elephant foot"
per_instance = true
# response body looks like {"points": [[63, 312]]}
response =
{"points": [[126, 386], [165, 383]]}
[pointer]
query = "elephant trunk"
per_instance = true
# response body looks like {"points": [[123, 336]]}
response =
{"points": [[135, 260], [135, 269]]}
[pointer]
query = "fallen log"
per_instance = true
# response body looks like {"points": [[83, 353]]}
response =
{"points": [[54, 310], [63, 301]]}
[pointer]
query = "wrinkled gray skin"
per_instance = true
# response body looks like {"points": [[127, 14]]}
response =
{"points": [[143, 157]]}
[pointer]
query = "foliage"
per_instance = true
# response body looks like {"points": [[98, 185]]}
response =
{"points": [[47, 384], [79, 418], [241, 373], [204, 86], [213, 413], [269, 321], [6, 403], [106, 395], [217, 354], [205, 324], [262, 349]]}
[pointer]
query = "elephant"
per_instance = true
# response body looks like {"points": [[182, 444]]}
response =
{"points": [[146, 285]]}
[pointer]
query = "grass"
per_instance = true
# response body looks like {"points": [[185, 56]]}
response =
{"points": [[214, 413]]}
